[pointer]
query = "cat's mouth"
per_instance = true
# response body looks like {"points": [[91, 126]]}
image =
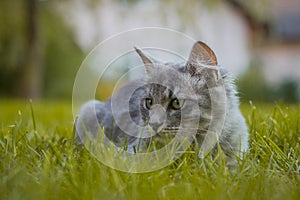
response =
{"points": [[168, 131], [174, 130], [164, 136], [162, 131], [168, 134], [171, 132]]}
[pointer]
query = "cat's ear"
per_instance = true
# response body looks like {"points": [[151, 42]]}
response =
{"points": [[148, 62], [203, 60], [201, 53]]}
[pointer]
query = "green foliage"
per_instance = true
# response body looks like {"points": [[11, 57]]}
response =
{"points": [[11, 43], [288, 91], [254, 87], [60, 55], [45, 164]]}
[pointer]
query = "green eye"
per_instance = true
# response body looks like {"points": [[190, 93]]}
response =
{"points": [[148, 103], [175, 104]]}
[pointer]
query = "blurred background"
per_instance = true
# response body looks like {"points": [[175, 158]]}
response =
{"points": [[43, 42]]}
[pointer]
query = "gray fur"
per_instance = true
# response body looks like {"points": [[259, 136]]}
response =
{"points": [[189, 82]]}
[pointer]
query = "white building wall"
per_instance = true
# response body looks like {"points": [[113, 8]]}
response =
{"points": [[281, 62], [221, 27]]}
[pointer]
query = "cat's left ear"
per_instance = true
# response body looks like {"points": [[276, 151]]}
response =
{"points": [[148, 62], [203, 58], [201, 53]]}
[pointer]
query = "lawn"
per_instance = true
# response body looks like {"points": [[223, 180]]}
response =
{"points": [[38, 160]]}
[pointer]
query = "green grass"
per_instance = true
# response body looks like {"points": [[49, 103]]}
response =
{"points": [[38, 160]]}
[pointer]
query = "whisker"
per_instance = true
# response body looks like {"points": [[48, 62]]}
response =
{"points": [[175, 130], [184, 128]]}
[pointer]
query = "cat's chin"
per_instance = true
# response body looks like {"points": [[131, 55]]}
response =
{"points": [[162, 131], [148, 132]]}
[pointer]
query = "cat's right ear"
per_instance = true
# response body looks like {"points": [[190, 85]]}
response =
{"points": [[148, 63]]}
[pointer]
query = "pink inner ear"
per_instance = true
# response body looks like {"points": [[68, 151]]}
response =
{"points": [[212, 55], [201, 53]]}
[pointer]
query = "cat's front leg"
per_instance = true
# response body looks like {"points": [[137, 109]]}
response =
{"points": [[235, 145]]}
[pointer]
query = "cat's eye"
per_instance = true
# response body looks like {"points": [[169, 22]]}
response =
{"points": [[175, 104], [148, 103]]}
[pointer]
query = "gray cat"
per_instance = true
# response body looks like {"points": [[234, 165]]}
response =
{"points": [[194, 98]]}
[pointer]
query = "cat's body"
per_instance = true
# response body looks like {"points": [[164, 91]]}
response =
{"points": [[164, 102]]}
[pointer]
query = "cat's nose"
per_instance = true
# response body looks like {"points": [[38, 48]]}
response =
{"points": [[157, 127], [157, 118]]}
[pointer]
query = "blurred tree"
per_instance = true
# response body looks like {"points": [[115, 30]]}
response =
{"points": [[11, 43], [20, 49], [287, 91], [30, 73], [38, 53], [253, 86], [62, 56]]}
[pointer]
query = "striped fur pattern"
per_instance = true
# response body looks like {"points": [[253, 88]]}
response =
{"points": [[164, 101]]}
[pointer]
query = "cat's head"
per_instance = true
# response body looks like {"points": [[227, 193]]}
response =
{"points": [[173, 90]]}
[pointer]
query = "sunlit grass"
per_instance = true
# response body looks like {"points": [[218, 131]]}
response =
{"points": [[45, 164]]}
